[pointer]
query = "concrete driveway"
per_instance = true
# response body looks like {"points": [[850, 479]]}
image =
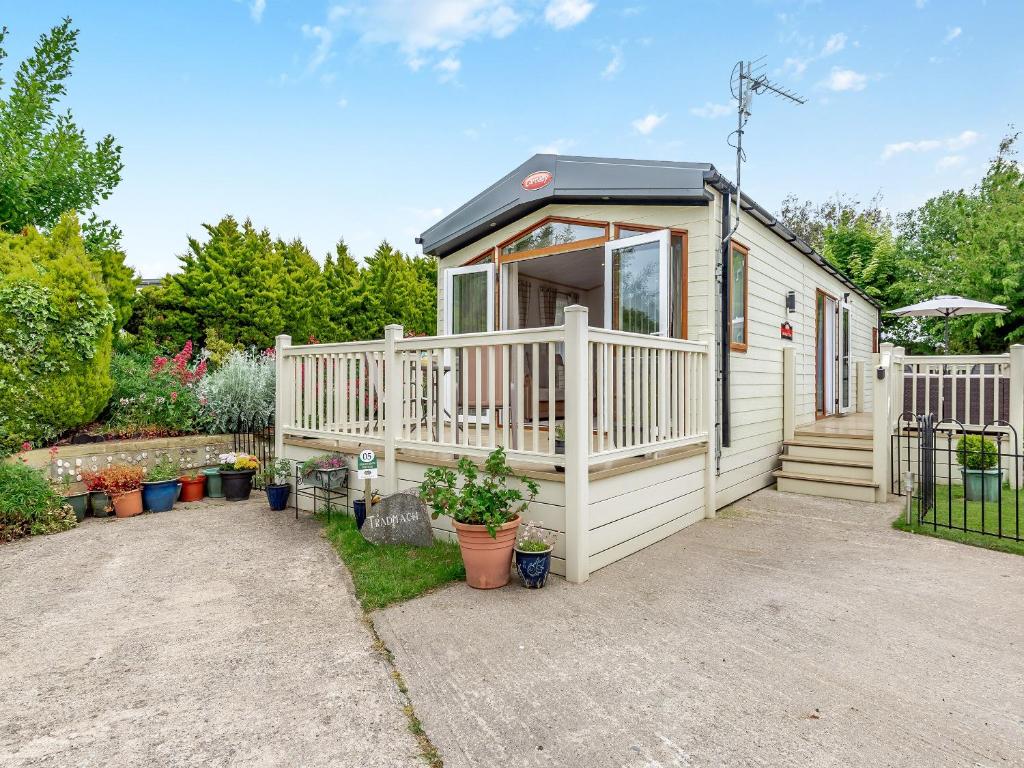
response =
{"points": [[792, 631], [208, 635]]}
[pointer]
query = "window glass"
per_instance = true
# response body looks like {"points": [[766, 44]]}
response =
{"points": [[553, 233], [738, 291], [677, 289], [469, 302], [635, 288]]}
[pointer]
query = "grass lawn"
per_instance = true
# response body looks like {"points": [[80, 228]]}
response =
{"points": [[949, 511], [385, 574]]}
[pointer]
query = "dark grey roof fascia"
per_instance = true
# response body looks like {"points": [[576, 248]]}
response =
{"points": [[574, 179], [603, 180]]}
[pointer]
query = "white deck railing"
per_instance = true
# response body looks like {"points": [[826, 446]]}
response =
{"points": [[467, 394], [971, 389]]}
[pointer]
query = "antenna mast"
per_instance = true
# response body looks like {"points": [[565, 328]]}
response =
{"points": [[748, 78]]}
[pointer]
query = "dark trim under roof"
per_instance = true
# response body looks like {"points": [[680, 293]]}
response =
{"points": [[599, 180]]}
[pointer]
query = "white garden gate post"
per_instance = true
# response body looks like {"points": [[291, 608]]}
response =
{"points": [[881, 397], [282, 393], [577, 444], [1017, 408], [392, 405]]}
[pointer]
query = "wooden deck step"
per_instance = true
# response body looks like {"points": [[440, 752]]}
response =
{"points": [[826, 450], [827, 468], [832, 488]]}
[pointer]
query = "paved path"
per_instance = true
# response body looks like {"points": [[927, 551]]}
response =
{"points": [[214, 636], [791, 632]]}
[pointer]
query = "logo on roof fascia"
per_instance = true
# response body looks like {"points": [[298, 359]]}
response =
{"points": [[537, 180]]}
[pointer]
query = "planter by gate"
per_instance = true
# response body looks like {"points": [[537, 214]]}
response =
{"points": [[237, 483], [213, 484], [978, 457]]}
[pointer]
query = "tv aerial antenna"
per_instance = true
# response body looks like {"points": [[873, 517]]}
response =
{"points": [[749, 79]]}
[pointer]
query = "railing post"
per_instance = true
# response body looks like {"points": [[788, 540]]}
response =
{"points": [[861, 384], [1017, 406], [882, 388], [577, 445], [392, 405], [788, 393], [282, 394], [709, 406]]}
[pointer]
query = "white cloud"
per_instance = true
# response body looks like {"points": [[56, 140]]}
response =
{"points": [[834, 44], [841, 79], [949, 162], [615, 65], [449, 67], [256, 9], [795, 66], [648, 123], [342, 103], [920, 4], [953, 34], [562, 14], [952, 144], [711, 110], [324, 40], [556, 147]]}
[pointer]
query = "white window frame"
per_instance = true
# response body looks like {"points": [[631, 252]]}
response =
{"points": [[449, 293], [664, 239]]}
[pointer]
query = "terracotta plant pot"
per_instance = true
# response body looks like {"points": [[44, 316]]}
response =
{"points": [[488, 560], [192, 490], [128, 504]]}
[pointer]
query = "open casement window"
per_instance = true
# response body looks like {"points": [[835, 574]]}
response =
{"points": [[469, 299], [636, 278], [553, 235], [738, 320], [678, 300]]}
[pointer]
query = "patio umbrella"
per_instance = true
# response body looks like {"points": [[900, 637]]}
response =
{"points": [[947, 307]]}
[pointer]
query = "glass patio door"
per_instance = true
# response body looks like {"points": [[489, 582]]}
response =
{"points": [[636, 283], [845, 363], [826, 355]]}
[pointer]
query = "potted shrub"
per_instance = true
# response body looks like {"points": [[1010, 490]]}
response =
{"points": [[160, 488], [236, 473], [193, 485], [327, 471], [533, 554], [275, 482], [214, 488], [99, 502], [123, 484], [484, 511], [977, 456]]}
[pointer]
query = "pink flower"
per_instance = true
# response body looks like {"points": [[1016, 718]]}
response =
{"points": [[26, 446], [174, 396]]}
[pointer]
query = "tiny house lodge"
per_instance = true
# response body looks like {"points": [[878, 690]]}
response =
{"points": [[683, 348]]}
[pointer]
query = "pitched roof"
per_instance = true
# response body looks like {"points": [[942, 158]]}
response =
{"points": [[572, 179]]}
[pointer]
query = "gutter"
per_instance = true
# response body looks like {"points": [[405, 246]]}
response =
{"points": [[725, 349]]}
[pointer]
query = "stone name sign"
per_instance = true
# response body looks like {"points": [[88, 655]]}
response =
{"points": [[401, 518]]}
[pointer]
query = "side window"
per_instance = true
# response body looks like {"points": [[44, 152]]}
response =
{"points": [[738, 321]]}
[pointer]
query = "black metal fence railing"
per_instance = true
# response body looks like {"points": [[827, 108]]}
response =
{"points": [[256, 441], [963, 481]]}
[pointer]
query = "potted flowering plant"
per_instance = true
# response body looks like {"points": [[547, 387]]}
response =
{"points": [[533, 554], [160, 487], [193, 485], [236, 473], [327, 471], [123, 484], [484, 511], [99, 502], [275, 482]]}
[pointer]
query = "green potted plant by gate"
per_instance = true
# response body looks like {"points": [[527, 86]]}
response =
{"points": [[160, 486], [236, 473], [533, 554], [327, 471], [977, 456], [485, 513], [275, 482]]}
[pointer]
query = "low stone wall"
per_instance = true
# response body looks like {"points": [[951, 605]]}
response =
{"points": [[191, 452]]}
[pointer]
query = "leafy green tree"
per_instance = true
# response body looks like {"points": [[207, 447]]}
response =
{"points": [[55, 334], [47, 168]]}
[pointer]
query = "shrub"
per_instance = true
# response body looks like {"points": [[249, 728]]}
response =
{"points": [[163, 470], [483, 499], [55, 335], [239, 394], [976, 452], [158, 394], [120, 478], [29, 505]]}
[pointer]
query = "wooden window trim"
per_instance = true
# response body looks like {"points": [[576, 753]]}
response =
{"points": [[736, 346], [874, 340], [684, 320], [579, 245], [487, 255]]}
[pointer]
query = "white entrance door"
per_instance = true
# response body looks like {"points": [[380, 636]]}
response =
{"points": [[845, 359], [636, 283], [830, 356]]}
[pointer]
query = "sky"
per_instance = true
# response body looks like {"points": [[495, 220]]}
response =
{"points": [[371, 120]]}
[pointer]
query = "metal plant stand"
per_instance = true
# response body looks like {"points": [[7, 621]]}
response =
{"points": [[325, 497]]}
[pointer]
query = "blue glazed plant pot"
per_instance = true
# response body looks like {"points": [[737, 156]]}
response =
{"points": [[277, 496], [359, 509], [533, 567], [159, 496]]}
